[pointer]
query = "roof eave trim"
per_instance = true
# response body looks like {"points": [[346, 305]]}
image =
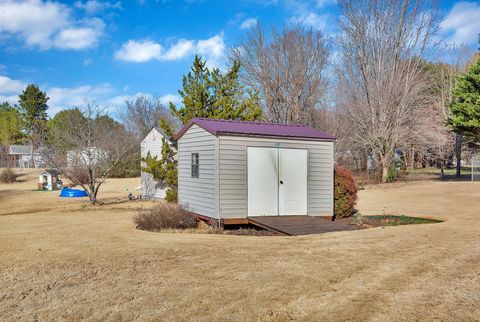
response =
{"points": [[189, 125], [334, 139]]}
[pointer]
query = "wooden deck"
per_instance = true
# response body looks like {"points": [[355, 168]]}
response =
{"points": [[298, 225]]}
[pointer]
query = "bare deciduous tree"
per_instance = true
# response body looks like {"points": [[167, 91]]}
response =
{"points": [[379, 77], [97, 144], [142, 114], [434, 139], [287, 68]]}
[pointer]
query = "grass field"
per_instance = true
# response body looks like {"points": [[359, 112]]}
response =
{"points": [[62, 260]]}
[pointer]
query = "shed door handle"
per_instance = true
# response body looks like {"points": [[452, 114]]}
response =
{"points": [[281, 182]]}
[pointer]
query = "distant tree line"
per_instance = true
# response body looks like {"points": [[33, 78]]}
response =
{"points": [[386, 102], [375, 85]]}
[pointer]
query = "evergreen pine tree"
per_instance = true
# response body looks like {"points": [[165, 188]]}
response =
{"points": [[465, 107], [33, 106], [204, 93], [11, 124]]}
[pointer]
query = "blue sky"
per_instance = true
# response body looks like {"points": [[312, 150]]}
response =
{"points": [[109, 51]]}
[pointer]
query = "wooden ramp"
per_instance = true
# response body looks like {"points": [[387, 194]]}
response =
{"points": [[298, 225]]}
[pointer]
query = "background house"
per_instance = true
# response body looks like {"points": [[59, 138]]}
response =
{"points": [[152, 189], [20, 156]]}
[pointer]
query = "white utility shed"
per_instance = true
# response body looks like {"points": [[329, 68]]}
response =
{"points": [[48, 180], [153, 141], [232, 169]]}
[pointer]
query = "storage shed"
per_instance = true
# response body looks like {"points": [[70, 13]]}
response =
{"points": [[231, 169], [152, 143]]}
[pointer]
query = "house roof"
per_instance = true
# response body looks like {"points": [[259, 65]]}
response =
{"points": [[158, 129], [53, 172], [219, 127], [20, 149]]}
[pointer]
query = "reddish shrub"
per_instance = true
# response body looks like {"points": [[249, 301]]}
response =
{"points": [[345, 192]]}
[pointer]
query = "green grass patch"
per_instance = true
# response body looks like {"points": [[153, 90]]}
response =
{"points": [[391, 220], [466, 170]]}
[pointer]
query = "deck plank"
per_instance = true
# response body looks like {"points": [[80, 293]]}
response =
{"points": [[299, 225]]}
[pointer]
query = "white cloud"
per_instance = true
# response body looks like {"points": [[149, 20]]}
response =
{"points": [[94, 6], [138, 51], [212, 49], [248, 23], [80, 38], [166, 99], [9, 86], [12, 98], [47, 24], [179, 50], [9, 89], [311, 19], [69, 97], [33, 20], [462, 24]]}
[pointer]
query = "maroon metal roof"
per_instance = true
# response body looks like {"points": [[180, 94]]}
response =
{"points": [[218, 126]]}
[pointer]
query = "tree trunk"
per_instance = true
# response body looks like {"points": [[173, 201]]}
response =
{"points": [[32, 156], [93, 198], [411, 164], [458, 153], [385, 165], [92, 194]]}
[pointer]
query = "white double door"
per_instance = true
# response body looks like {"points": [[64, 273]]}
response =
{"points": [[277, 181]]}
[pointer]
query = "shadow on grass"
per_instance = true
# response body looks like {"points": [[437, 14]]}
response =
{"points": [[5, 193], [434, 174]]}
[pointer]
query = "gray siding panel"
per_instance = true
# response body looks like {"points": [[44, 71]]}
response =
{"points": [[233, 173], [198, 195]]}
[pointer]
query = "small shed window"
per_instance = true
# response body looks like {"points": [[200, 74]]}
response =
{"points": [[195, 165]]}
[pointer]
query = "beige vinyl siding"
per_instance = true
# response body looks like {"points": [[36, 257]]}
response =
{"points": [[198, 195], [233, 173]]}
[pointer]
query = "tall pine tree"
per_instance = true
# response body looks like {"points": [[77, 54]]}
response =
{"points": [[33, 106], [212, 94], [465, 107], [205, 93]]}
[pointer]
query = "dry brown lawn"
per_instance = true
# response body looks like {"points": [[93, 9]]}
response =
{"points": [[60, 260]]}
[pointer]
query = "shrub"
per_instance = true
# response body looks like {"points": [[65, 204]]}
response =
{"points": [[345, 192], [8, 176], [391, 173], [164, 216], [171, 195]]}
